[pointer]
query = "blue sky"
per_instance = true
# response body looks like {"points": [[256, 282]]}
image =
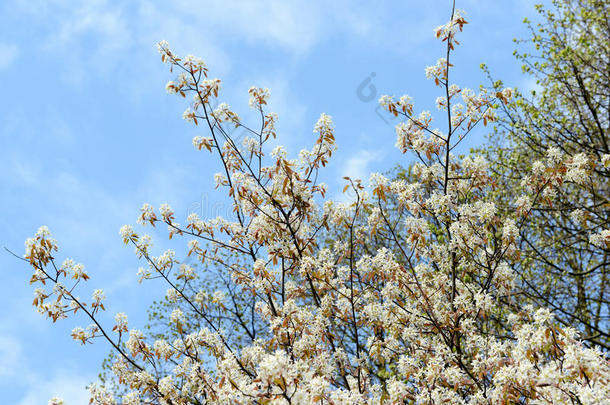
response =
{"points": [[87, 132]]}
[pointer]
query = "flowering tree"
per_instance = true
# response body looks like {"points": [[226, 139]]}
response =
{"points": [[331, 320], [566, 245]]}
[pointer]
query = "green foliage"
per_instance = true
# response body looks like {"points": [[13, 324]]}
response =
{"points": [[568, 109]]}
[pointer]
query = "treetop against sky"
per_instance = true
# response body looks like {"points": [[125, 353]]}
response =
{"points": [[88, 133]]}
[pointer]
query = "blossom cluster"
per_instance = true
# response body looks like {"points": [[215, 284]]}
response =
{"points": [[399, 295]]}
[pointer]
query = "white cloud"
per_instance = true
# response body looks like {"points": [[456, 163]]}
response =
{"points": [[94, 17], [8, 53], [67, 385], [10, 355], [102, 35], [294, 26], [356, 166], [94, 35]]}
